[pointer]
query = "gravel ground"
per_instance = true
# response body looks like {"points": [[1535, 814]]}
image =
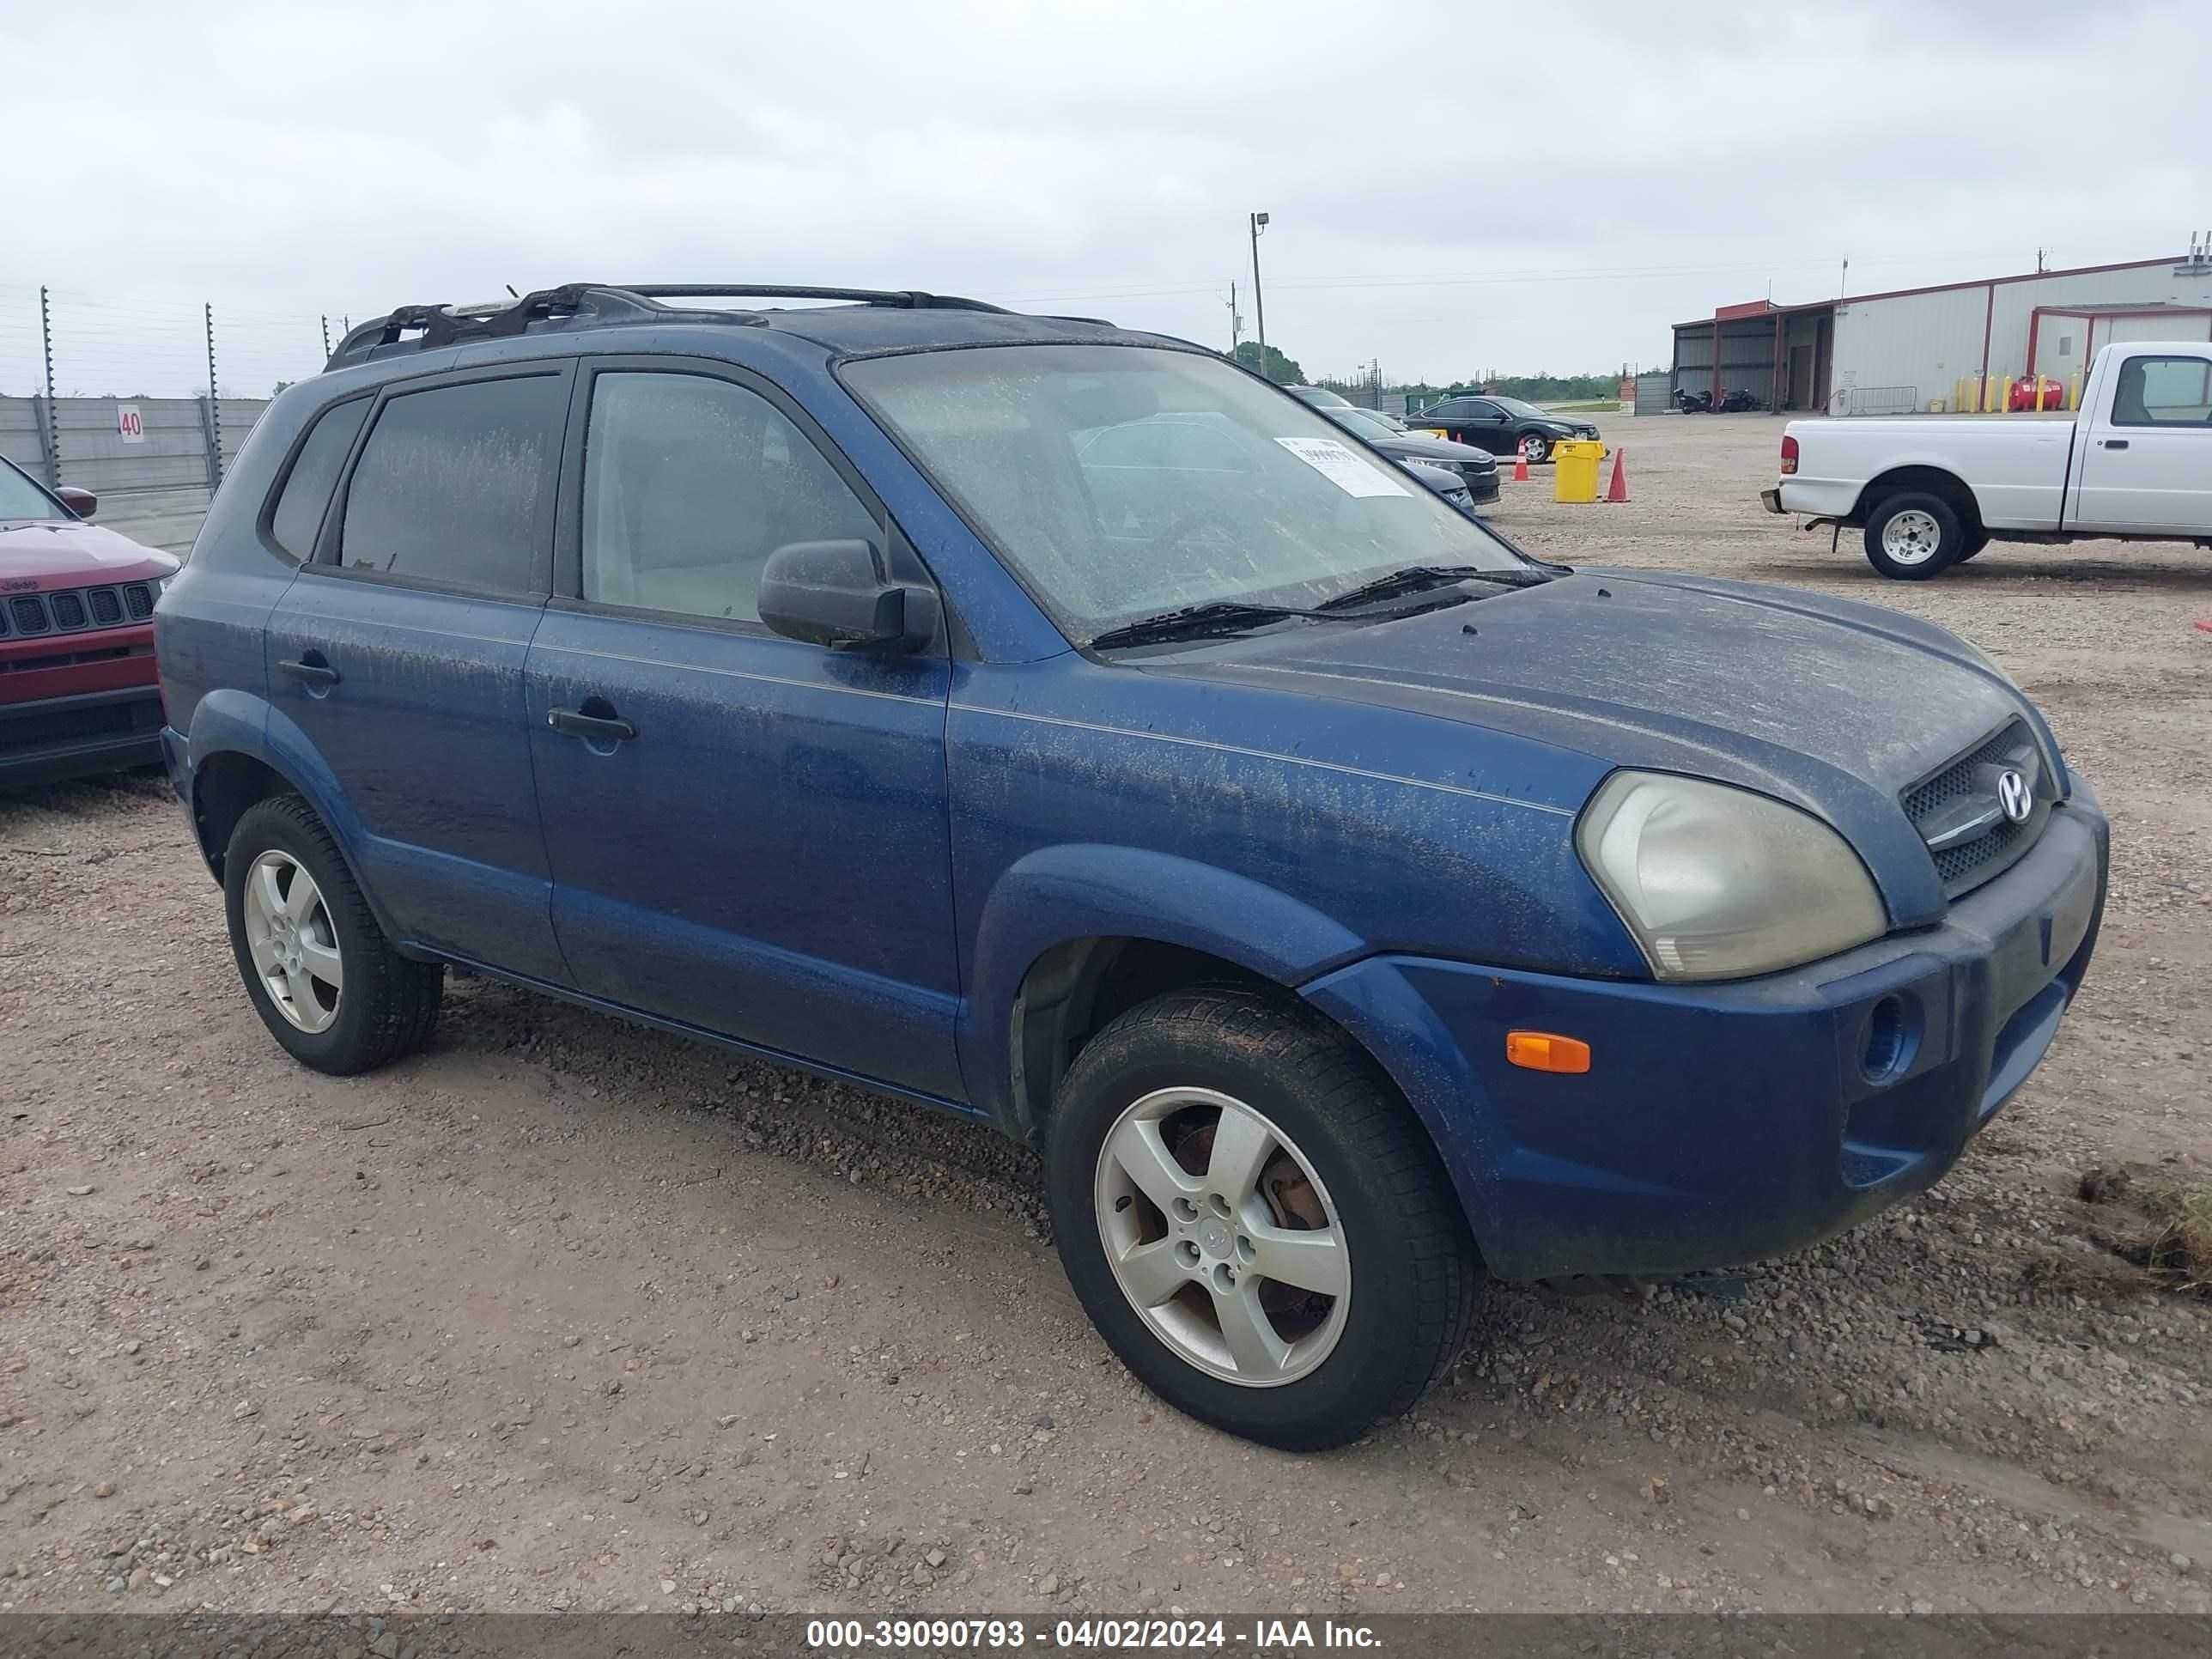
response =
{"points": [[565, 1314]]}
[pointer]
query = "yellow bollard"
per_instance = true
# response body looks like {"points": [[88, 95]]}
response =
{"points": [[1574, 469]]}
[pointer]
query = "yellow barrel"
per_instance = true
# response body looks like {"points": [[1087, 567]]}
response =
{"points": [[1574, 470]]}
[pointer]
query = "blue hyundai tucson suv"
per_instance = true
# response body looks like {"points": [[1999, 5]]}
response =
{"points": [[1056, 725]]}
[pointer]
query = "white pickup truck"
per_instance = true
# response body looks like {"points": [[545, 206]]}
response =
{"points": [[2135, 464]]}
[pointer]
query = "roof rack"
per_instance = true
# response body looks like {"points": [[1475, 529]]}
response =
{"points": [[434, 326]]}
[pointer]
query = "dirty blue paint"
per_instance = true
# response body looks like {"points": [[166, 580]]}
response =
{"points": [[854, 863]]}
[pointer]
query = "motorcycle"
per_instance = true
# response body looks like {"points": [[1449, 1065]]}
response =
{"points": [[1694, 402], [1738, 402]]}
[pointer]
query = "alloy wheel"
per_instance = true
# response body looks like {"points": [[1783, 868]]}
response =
{"points": [[293, 941], [1223, 1237]]}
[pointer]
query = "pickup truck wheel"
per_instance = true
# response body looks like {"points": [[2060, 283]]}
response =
{"points": [[317, 968], [1254, 1220], [1975, 541], [1912, 537]]}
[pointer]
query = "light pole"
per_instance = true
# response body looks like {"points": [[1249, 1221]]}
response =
{"points": [[1259, 304]]}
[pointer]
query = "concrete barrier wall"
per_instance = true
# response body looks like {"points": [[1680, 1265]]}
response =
{"points": [[111, 444]]}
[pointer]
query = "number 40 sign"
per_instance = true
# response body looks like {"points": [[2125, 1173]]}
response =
{"points": [[130, 425]]}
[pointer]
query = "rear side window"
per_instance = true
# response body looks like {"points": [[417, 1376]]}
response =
{"points": [[455, 485], [314, 474]]}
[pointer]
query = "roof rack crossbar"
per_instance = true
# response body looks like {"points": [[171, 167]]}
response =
{"points": [[913, 299], [436, 326]]}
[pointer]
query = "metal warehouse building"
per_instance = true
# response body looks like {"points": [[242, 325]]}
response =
{"points": [[1954, 346]]}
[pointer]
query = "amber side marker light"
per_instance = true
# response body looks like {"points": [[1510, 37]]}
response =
{"points": [[1546, 1051]]}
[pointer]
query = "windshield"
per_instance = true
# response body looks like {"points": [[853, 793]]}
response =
{"points": [[1366, 425], [1120, 482], [22, 499]]}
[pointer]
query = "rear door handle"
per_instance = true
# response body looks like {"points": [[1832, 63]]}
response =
{"points": [[593, 727], [312, 669]]}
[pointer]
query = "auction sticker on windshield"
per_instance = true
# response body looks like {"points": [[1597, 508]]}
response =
{"points": [[1342, 468]]}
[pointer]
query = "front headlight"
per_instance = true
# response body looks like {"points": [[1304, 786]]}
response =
{"points": [[1718, 883]]}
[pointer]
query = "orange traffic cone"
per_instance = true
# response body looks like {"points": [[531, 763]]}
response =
{"points": [[1520, 468], [1618, 489]]}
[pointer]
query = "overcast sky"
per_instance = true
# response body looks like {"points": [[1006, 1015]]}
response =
{"points": [[1454, 187]]}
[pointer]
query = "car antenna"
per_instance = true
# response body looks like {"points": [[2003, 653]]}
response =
{"points": [[511, 294]]}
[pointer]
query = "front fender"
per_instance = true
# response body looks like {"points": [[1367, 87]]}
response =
{"points": [[1057, 895]]}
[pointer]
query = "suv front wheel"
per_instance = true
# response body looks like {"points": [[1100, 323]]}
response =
{"points": [[1254, 1220], [317, 968]]}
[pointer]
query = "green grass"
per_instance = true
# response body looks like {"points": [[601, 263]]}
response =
{"points": [[1602, 406]]}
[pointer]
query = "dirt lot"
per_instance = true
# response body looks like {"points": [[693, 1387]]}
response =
{"points": [[565, 1314]]}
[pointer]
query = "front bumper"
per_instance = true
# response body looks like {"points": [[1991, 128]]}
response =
{"points": [[54, 737], [1721, 1124]]}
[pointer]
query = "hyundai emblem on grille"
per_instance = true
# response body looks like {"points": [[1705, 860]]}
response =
{"points": [[2014, 796]]}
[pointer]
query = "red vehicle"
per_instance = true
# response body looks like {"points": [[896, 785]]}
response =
{"points": [[77, 688]]}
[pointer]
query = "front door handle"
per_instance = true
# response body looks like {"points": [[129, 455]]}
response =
{"points": [[593, 728], [2116, 443], [311, 668]]}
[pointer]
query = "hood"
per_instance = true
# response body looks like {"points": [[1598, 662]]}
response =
{"points": [[38, 554], [1411, 447], [1835, 707]]}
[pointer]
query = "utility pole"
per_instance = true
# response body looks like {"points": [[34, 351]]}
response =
{"points": [[1259, 302], [1236, 323], [326, 336], [1842, 288]]}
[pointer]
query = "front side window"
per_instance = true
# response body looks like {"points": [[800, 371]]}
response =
{"points": [[314, 474], [455, 483], [1120, 482], [2163, 392], [22, 499], [689, 484]]}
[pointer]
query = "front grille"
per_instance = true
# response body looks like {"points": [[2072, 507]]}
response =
{"points": [[1948, 807], [76, 609]]}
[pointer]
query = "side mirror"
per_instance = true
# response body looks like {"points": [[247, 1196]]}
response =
{"points": [[82, 502], [835, 594]]}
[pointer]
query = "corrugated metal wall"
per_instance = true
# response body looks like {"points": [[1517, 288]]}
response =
{"points": [[2145, 286], [1917, 344]]}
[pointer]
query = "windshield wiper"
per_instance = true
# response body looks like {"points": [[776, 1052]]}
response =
{"points": [[1200, 621], [1414, 578]]}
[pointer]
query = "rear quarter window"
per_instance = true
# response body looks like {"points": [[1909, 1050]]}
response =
{"points": [[305, 495]]}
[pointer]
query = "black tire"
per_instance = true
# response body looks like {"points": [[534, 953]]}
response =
{"points": [[1975, 541], [1394, 1205], [1950, 530], [388, 1005], [1536, 446]]}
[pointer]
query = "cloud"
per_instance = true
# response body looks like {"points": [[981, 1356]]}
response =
{"points": [[1452, 187]]}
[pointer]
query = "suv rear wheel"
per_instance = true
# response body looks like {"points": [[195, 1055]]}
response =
{"points": [[1914, 536], [1254, 1222], [317, 968]]}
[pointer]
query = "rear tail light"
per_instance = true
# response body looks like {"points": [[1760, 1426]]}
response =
{"points": [[1789, 455]]}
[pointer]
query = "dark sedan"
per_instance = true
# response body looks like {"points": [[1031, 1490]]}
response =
{"points": [[1478, 467], [1504, 426]]}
